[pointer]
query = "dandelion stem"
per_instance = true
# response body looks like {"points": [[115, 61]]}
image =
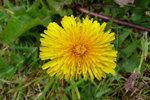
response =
{"points": [[108, 6], [114, 20]]}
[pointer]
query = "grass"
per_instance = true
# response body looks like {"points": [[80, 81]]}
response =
{"points": [[21, 76]]}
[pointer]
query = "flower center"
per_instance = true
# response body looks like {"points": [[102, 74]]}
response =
{"points": [[79, 50]]}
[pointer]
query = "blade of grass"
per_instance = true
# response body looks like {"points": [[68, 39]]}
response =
{"points": [[120, 85], [76, 83], [46, 88], [73, 84], [73, 94]]}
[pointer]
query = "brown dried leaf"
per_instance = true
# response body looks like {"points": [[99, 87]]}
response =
{"points": [[131, 81], [124, 2], [17, 1]]}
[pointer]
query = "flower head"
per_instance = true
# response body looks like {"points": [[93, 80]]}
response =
{"points": [[78, 47]]}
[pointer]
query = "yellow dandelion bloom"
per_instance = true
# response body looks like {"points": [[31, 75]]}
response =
{"points": [[78, 47]]}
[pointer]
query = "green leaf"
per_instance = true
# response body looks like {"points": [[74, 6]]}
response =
{"points": [[62, 12], [11, 30], [16, 60], [34, 10], [116, 12], [109, 24], [87, 92], [3, 18], [38, 9], [53, 4], [29, 25], [34, 34], [103, 91], [130, 64], [137, 14], [130, 49], [123, 36], [5, 68], [70, 12], [3, 63], [106, 11], [143, 3], [44, 9], [16, 27], [24, 50], [7, 4], [109, 2], [147, 65], [11, 72]]}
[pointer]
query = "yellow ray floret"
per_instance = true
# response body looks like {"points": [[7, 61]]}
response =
{"points": [[78, 47]]}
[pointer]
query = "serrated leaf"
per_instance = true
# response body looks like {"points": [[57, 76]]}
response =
{"points": [[24, 50], [130, 49], [4, 67], [16, 27], [123, 36], [11, 30], [29, 25], [11, 72], [53, 6], [38, 9], [34, 10], [3, 63], [16, 60], [44, 9], [129, 65]]}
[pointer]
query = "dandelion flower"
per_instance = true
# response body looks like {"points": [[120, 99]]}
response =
{"points": [[79, 47]]}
